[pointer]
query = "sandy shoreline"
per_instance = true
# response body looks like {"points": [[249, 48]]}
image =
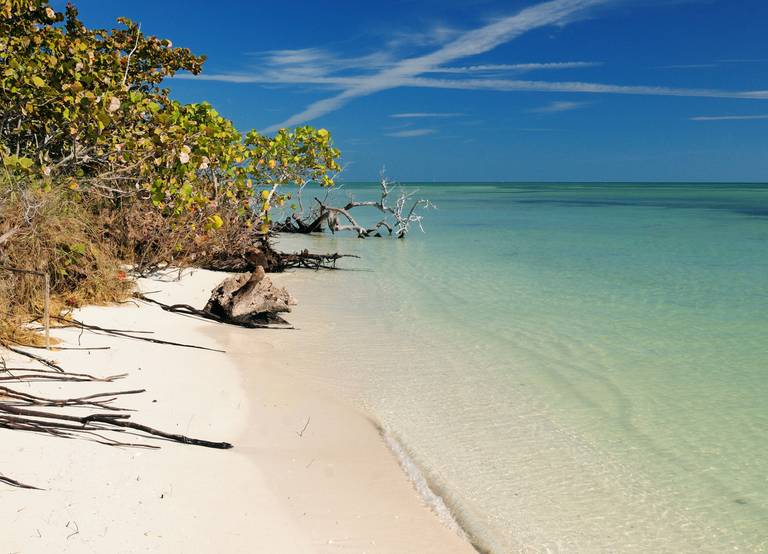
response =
{"points": [[309, 472]]}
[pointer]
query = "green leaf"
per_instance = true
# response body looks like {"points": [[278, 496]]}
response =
{"points": [[103, 118], [78, 248], [25, 163], [37, 81], [216, 221]]}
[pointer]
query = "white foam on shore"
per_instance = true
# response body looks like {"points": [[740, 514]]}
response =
{"points": [[421, 484]]}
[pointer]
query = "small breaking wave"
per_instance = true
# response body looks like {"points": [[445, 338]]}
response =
{"points": [[421, 484]]}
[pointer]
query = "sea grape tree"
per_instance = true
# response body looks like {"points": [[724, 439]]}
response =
{"points": [[85, 109]]}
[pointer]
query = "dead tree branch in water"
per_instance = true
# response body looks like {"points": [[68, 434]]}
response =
{"points": [[397, 220], [307, 260], [273, 261]]}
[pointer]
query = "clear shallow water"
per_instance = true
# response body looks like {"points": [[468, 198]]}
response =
{"points": [[576, 367]]}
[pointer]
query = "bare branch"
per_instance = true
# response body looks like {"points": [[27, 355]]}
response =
{"points": [[128, 62]]}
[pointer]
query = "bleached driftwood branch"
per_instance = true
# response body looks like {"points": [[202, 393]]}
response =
{"points": [[397, 220]]}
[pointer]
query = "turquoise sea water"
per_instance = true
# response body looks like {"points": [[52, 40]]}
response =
{"points": [[575, 367]]}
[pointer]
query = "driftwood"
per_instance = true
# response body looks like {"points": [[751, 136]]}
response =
{"points": [[130, 334], [270, 321], [248, 297], [306, 260], [19, 409], [52, 422], [397, 218], [32, 356], [40, 374], [99, 400], [271, 260]]}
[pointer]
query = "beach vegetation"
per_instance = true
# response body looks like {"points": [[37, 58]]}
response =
{"points": [[99, 165]]}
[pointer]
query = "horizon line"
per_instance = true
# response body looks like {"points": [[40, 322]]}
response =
{"points": [[560, 181]]}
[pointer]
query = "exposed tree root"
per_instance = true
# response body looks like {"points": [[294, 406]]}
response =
{"points": [[100, 400], [15, 483], [308, 260], [268, 321], [271, 260], [32, 356], [20, 409], [132, 335], [94, 422]]}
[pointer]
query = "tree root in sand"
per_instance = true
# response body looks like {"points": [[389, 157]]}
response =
{"points": [[265, 321], [20, 410]]}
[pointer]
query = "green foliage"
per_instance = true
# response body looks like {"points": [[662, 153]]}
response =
{"points": [[83, 108]]}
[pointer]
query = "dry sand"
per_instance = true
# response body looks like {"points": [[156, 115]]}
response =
{"points": [[309, 471]]}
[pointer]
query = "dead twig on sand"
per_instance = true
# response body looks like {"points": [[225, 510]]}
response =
{"points": [[95, 422], [17, 484], [20, 410], [132, 335], [35, 357], [301, 433]]}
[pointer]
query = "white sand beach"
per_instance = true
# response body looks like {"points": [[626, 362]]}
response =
{"points": [[309, 471]]}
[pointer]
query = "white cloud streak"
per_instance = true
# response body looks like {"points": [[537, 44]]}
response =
{"points": [[412, 133], [555, 107], [580, 87], [425, 114], [465, 45], [728, 117], [361, 76], [520, 67]]}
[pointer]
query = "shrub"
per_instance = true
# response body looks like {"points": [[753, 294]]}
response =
{"points": [[99, 164], [50, 232]]}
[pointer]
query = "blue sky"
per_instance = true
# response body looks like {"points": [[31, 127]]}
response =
{"points": [[485, 90]]}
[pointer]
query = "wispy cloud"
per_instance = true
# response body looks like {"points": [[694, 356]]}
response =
{"points": [[516, 67], [728, 117], [470, 43], [357, 77], [433, 36], [425, 114], [554, 107], [411, 133], [580, 87]]}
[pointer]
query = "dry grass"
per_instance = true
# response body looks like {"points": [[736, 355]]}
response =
{"points": [[83, 243], [55, 233]]}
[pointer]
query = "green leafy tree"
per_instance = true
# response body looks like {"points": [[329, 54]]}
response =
{"points": [[84, 108]]}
